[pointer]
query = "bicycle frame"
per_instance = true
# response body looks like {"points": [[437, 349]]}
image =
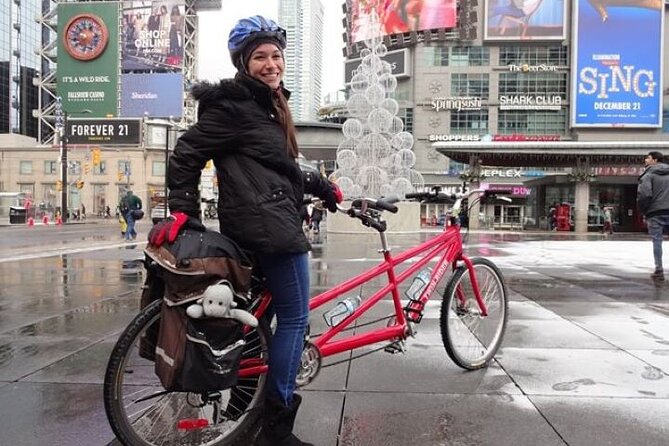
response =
{"points": [[447, 246]]}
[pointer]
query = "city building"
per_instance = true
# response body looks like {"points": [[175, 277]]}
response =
{"points": [[500, 98], [20, 38], [303, 22]]}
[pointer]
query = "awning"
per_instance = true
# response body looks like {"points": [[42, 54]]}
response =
{"points": [[550, 153]]}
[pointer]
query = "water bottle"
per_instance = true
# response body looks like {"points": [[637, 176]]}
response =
{"points": [[342, 310], [419, 283]]}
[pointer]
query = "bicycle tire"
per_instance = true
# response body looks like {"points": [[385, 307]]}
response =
{"points": [[148, 416], [471, 340]]}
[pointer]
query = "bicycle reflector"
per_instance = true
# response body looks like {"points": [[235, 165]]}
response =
{"points": [[189, 424]]}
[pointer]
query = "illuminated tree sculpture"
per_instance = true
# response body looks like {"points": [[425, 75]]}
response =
{"points": [[375, 158]]}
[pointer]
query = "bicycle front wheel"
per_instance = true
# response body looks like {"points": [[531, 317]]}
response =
{"points": [[142, 413], [471, 339]]}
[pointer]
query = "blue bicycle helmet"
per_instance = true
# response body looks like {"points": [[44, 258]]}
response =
{"points": [[256, 29]]}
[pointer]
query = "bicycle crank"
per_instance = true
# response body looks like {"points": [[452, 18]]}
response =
{"points": [[309, 366]]}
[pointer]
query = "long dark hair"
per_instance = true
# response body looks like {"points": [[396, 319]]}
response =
{"points": [[286, 120]]}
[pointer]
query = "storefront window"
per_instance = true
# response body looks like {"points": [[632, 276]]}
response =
{"points": [[534, 83], [532, 122], [517, 55], [457, 56], [471, 122], [50, 167], [470, 84]]}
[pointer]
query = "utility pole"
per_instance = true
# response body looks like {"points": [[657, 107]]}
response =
{"points": [[61, 126]]}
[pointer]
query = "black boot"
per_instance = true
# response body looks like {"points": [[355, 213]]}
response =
{"points": [[277, 424]]}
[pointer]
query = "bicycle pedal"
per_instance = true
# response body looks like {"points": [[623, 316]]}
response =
{"points": [[396, 347]]}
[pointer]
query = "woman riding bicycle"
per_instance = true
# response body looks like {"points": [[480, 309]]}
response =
{"points": [[245, 126]]}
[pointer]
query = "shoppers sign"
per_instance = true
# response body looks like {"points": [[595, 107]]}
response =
{"points": [[113, 132], [530, 102], [456, 103], [617, 60], [449, 138]]}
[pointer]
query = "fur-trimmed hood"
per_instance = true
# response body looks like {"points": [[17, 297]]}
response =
{"points": [[241, 87]]}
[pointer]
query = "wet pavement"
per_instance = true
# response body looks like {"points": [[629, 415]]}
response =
{"points": [[585, 360]]}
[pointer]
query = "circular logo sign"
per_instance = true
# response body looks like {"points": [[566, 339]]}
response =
{"points": [[85, 37]]}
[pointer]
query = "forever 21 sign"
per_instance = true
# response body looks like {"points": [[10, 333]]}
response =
{"points": [[113, 132]]}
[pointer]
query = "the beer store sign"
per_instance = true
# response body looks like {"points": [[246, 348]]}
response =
{"points": [[114, 132], [525, 68], [456, 103], [529, 102]]}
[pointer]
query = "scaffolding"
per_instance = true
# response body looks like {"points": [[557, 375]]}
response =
{"points": [[46, 77]]}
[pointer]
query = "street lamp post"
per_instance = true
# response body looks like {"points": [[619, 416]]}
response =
{"points": [[61, 127]]}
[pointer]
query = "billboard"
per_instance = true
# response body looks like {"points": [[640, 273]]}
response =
{"points": [[103, 131], [87, 79], [152, 36], [616, 65], [525, 20], [158, 95], [398, 60], [400, 16]]}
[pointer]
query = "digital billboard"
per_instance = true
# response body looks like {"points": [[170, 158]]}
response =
{"points": [[157, 95], [400, 16], [616, 65], [88, 58], [525, 20], [152, 35]]}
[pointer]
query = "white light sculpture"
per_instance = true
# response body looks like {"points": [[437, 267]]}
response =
{"points": [[376, 158]]}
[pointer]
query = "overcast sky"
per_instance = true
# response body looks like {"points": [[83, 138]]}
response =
{"points": [[214, 27]]}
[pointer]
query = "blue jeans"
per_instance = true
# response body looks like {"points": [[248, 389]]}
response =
{"points": [[130, 220], [288, 281], [656, 227]]}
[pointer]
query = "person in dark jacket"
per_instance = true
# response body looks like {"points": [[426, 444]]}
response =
{"points": [[245, 126], [317, 217], [128, 206], [653, 202]]}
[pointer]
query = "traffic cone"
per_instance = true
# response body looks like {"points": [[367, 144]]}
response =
{"points": [[31, 222], [59, 221], [45, 220]]}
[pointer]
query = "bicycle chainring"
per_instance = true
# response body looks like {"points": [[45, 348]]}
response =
{"points": [[309, 366]]}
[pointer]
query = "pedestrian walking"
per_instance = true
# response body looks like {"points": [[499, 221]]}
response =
{"points": [[261, 190], [653, 202], [608, 221], [317, 217], [131, 207]]}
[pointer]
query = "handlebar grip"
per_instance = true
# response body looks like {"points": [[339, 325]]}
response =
{"points": [[387, 203], [411, 195]]}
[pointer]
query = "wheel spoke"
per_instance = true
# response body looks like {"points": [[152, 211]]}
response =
{"points": [[142, 413], [472, 339]]}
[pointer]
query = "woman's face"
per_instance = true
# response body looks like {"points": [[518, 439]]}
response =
{"points": [[266, 64]]}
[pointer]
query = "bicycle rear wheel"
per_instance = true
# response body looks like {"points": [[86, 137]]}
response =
{"points": [[142, 413], [471, 340]]}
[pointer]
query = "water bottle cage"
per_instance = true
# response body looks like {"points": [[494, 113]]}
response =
{"points": [[413, 314]]}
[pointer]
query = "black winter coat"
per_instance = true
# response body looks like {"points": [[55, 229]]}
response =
{"points": [[260, 186]]}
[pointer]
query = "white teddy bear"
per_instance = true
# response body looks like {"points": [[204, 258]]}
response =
{"points": [[218, 301]]}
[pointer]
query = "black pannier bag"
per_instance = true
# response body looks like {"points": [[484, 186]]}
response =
{"points": [[194, 355]]}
